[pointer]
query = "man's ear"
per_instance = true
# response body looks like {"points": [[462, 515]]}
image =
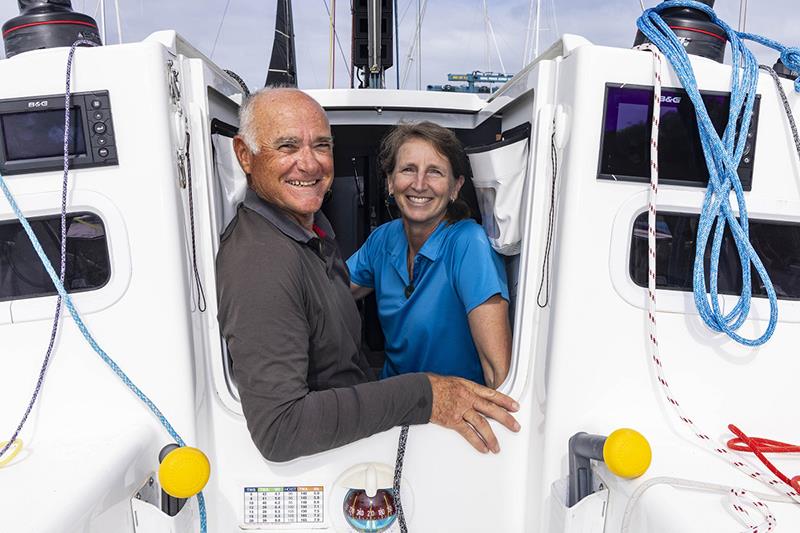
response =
{"points": [[243, 154]]}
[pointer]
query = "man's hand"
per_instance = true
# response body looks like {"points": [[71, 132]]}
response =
{"points": [[463, 406]]}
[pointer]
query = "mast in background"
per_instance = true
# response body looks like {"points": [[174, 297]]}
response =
{"points": [[332, 54], [372, 43], [397, 44], [283, 63], [742, 14]]}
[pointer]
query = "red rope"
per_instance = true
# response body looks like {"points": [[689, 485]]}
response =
{"points": [[759, 446]]}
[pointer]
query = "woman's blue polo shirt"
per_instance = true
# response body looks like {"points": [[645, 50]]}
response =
{"points": [[455, 271]]}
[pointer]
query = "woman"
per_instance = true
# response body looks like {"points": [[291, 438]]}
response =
{"points": [[441, 289]]}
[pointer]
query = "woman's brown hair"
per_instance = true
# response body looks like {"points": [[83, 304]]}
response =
{"points": [[443, 141]]}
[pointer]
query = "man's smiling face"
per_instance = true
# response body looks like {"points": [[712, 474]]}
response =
{"points": [[293, 168]]}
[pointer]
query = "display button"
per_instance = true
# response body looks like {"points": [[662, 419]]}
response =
{"points": [[96, 104], [102, 141], [103, 152], [99, 127], [98, 115]]}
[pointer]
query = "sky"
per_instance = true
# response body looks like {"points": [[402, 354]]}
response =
{"points": [[238, 34]]}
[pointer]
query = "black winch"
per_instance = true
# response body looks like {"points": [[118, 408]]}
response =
{"points": [[47, 24], [699, 35]]}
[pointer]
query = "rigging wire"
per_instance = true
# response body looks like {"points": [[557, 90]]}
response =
{"points": [[413, 45], [555, 19], [405, 11], [219, 28], [526, 56]]}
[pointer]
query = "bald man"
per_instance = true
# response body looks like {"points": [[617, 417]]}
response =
{"points": [[286, 312]]}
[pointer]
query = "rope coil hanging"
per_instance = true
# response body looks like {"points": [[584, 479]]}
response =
{"points": [[722, 159]]}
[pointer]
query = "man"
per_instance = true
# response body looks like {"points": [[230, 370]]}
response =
{"points": [[285, 309]]}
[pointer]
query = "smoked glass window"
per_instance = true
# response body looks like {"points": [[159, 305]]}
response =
{"points": [[21, 272], [777, 243]]}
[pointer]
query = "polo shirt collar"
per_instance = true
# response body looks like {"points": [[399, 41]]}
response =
{"points": [[433, 245], [285, 223], [430, 250]]}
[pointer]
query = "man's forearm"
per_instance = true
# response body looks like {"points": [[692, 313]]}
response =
{"points": [[322, 420]]}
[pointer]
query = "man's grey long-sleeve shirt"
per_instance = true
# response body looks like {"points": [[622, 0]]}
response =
{"points": [[293, 333]]}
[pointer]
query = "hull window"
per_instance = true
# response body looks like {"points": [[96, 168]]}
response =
{"points": [[777, 243], [21, 272]]}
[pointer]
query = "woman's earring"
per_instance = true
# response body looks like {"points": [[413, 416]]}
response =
{"points": [[389, 202]]}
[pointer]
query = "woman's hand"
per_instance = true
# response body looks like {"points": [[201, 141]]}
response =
{"points": [[491, 333]]}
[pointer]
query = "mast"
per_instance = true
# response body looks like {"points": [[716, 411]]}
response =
{"points": [[372, 42], [742, 14], [536, 29], [283, 63], [375, 70], [419, 45], [332, 58], [397, 44]]}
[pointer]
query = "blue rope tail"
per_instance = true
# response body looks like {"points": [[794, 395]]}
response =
{"points": [[70, 306], [722, 155], [67, 300]]}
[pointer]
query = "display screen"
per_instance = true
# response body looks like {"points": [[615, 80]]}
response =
{"points": [[39, 134], [625, 149]]}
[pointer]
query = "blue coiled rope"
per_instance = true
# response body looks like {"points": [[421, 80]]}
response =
{"points": [[722, 157], [70, 306]]}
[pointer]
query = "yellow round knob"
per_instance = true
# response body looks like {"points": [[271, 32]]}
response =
{"points": [[184, 472], [627, 453]]}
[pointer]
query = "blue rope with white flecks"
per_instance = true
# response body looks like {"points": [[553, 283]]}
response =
{"points": [[70, 306], [722, 159]]}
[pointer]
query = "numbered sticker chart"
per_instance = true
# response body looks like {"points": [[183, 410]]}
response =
{"points": [[283, 505]]}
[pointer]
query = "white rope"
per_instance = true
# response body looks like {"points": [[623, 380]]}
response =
{"points": [[740, 499], [681, 483]]}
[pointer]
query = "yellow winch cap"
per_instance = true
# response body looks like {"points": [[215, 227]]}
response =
{"points": [[627, 453], [184, 472]]}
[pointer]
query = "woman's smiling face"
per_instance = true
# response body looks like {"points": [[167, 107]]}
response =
{"points": [[422, 183]]}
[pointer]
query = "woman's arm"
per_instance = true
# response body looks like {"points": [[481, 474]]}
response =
{"points": [[359, 292], [492, 335]]}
